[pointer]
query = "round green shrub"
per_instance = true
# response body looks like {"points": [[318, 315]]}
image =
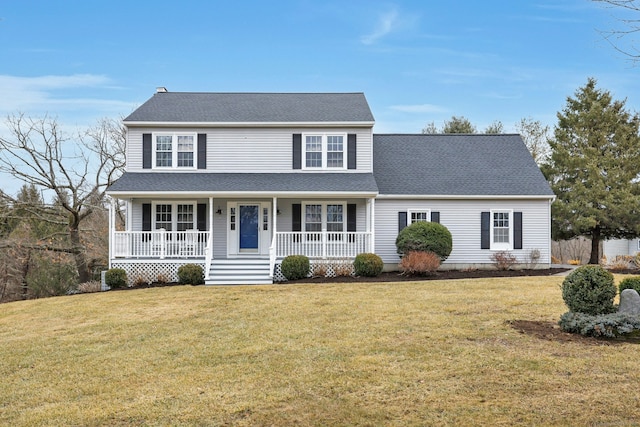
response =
{"points": [[295, 267], [425, 237], [630, 283], [368, 265], [589, 289], [190, 274], [115, 278]]}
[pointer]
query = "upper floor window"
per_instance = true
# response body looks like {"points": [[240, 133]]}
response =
{"points": [[174, 150], [324, 151]]}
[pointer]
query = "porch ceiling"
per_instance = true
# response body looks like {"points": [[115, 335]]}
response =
{"points": [[362, 184]]}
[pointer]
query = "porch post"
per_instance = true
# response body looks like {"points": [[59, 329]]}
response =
{"points": [[372, 223], [112, 224], [129, 214], [209, 255], [274, 214]]}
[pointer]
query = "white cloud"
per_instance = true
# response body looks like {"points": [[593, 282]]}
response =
{"points": [[42, 94], [419, 108], [387, 23]]}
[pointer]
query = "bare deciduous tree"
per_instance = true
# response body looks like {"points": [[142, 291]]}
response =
{"points": [[535, 136], [75, 170], [630, 26]]}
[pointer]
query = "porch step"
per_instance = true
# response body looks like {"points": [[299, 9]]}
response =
{"points": [[245, 271]]}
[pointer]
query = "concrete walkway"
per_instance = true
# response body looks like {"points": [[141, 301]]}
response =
{"points": [[569, 268]]}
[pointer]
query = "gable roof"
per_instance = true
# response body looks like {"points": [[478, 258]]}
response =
{"points": [[456, 165], [207, 182], [194, 107]]}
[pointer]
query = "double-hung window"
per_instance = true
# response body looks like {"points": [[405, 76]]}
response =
{"points": [[324, 151], [329, 216], [501, 230], [418, 216], [174, 216], [174, 150]]}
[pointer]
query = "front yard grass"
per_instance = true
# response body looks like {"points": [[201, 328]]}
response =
{"points": [[411, 353]]}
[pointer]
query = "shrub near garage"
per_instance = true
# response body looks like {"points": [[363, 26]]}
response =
{"points": [[425, 237], [590, 290], [630, 283]]}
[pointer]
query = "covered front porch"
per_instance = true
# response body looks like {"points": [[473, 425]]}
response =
{"points": [[236, 240]]}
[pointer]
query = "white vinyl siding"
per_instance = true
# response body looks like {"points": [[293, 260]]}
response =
{"points": [[462, 218], [254, 149]]}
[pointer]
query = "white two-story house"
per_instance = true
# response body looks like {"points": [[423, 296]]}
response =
{"points": [[237, 181]]}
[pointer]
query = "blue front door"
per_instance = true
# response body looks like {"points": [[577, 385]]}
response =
{"points": [[249, 227]]}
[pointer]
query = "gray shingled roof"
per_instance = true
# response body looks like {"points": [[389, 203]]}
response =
{"points": [[456, 164], [254, 182], [253, 107]]}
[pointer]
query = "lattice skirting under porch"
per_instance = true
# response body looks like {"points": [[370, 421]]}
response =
{"points": [[152, 271], [322, 268]]}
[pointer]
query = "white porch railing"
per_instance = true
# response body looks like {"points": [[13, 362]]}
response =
{"points": [[322, 244], [160, 244]]}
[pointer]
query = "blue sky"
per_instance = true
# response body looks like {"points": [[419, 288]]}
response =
{"points": [[416, 61]]}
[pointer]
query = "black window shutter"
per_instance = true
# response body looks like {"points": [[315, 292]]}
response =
{"points": [[517, 230], [351, 151], [297, 151], [485, 230], [435, 216], [201, 221], [402, 220], [202, 151], [146, 217], [351, 217], [296, 217], [146, 151]]}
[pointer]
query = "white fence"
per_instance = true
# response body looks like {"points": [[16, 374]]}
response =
{"points": [[322, 244], [160, 244]]}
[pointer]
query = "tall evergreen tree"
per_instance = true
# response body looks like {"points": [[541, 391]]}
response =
{"points": [[594, 169]]}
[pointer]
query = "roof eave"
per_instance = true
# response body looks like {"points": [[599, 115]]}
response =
{"points": [[363, 124], [233, 194], [467, 197]]}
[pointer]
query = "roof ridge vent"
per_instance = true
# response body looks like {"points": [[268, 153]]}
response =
{"points": [[161, 89]]}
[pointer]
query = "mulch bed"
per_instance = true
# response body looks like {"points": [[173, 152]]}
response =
{"points": [[439, 275], [550, 331]]}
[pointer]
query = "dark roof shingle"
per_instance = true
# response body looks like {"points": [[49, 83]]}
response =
{"points": [[253, 108], [244, 182], [456, 164]]}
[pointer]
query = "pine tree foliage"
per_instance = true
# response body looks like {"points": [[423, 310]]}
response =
{"points": [[594, 169]]}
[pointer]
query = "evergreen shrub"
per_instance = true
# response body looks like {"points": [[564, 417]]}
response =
{"points": [[425, 237], [630, 283], [190, 274], [116, 278], [589, 289], [368, 265], [295, 267], [604, 325]]}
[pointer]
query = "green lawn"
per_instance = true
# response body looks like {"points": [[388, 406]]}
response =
{"points": [[414, 353]]}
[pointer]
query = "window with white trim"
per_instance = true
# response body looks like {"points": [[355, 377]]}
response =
{"points": [[324, 151], [326, 216], [174, 216], [174, 150], [419, 216], [501, 230]]}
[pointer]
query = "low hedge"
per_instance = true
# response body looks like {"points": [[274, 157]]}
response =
{"points": [[295, 267], [368, 265]]}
